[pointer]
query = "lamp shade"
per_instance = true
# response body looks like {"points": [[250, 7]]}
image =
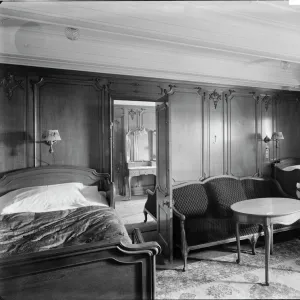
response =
{"points": [[277, 136], [51, 135]]}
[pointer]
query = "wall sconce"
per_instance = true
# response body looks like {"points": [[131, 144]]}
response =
{"points": [[50, 137], [267, 151], [276, 137], [266, 139]]}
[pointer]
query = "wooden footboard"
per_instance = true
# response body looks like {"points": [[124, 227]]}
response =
{"points": [[91, 271]]}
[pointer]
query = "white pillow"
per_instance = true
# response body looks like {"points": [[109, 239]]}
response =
{"points": [[94, 196], [10, 197], [45, 198]]}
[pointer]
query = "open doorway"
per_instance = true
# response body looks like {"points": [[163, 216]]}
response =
{"points": [[134, 162]]}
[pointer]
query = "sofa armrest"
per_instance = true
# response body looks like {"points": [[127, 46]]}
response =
{"points": [[178, 214]]}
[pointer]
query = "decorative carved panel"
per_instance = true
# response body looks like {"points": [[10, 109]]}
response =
{"points": [[215, 97], [9, 83]]}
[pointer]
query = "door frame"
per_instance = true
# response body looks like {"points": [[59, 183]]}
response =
{"points": [[166, 204]]}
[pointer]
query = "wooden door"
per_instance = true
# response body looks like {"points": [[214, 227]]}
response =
{"points": [[163, 179]]}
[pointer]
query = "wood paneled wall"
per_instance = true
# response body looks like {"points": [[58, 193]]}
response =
{"points": [[186, 135], [77, 106], [214, 129], [287, 121], [220, 131]]}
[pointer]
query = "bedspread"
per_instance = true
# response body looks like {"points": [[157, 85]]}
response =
{"points": [[33, 232]]}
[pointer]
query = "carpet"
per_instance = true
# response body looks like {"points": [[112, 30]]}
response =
{"points": [[223, 278]]}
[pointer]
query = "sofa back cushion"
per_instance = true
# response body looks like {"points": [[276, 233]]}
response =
{"points": [[191, 200], [256, 188], [223, 192]]}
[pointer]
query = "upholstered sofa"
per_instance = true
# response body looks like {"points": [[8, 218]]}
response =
{"points": [[202, 216]]}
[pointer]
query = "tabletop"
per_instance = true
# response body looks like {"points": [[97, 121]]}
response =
{"points": [[267, 206]]}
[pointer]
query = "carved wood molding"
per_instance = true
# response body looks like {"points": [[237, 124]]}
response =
{"points": [[103, 83], [164, 91], [216, 97], [255, 97], [227, 96], [131, 113], [171, 90], [140, 117], [229, 136], [199, 89], [266, 98], [202, 136], [9, 84]]}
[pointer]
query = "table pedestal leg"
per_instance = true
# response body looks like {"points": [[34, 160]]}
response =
{"points": [[271, 239], [237, 231], [267, 231]]}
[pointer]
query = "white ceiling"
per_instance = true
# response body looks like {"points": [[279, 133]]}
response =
{"points": [[231, 42]]}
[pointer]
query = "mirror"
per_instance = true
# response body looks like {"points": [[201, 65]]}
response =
{"points": [[139, 145]]}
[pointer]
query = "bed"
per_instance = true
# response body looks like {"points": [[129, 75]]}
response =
{"points": [[78, 252], [287, 173]]}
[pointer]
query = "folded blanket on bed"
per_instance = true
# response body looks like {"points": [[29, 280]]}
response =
{"points": [[33, 232]]}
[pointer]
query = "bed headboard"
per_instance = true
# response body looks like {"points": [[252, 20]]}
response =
{"points": [[48, 175], [287, 178], [287, 162]]}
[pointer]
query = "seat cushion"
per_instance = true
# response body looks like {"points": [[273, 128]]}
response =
{"points": [[206, 230], [223, 192], [256, 188], [191, 200]]}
